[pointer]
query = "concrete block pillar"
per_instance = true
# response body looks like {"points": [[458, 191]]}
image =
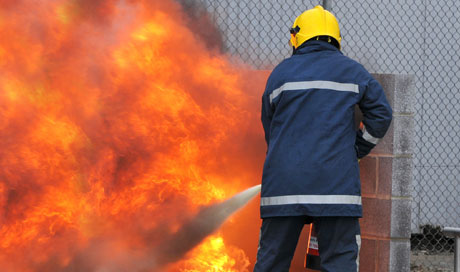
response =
{"points": [[386, 178]]}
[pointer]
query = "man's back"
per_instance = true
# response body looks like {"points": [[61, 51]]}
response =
{"points": [[308, 117]]}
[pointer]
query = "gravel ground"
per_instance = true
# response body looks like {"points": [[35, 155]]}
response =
{"points": [[421, 261]]}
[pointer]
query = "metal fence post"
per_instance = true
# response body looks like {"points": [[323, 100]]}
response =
{"points": [[454, 232], [327, 4]]}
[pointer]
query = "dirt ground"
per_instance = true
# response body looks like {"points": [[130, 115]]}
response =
{"points": [[421, 261]]}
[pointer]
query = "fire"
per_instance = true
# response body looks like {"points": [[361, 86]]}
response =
{"points": [[117, 124], [208, 257]]}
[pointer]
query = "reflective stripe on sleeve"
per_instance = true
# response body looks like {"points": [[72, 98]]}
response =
{"points": [[369, 138], [310, 199], [316, 84]]}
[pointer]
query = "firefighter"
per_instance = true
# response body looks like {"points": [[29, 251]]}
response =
{"points": [[311, 171]]}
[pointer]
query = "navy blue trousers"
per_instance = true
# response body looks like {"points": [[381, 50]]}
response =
{"points": [[339, 242]]}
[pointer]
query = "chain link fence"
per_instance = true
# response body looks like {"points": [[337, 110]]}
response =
{"points": [[389, 36]]}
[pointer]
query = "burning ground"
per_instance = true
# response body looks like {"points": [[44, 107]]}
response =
{"points": [[119, 121]]}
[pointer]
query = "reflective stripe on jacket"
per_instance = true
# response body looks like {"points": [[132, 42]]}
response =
{"points": [[311, 166]]}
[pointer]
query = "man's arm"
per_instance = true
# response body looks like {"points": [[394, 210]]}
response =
{"points": [[377, 115], [266, 117]]}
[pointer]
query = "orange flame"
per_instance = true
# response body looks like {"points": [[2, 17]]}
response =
{"points": [[117, 123], [208, 257]]}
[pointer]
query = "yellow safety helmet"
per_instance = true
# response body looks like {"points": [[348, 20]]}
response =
{"points": [[313, 23]]}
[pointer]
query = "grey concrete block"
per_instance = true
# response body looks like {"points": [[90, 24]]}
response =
{"points": [[400, 92], [402, 176], [404, 94], [385, 176], [388, 83], [400, 217], [403, 139], [399, 256], [395, 176], [399, 139], [386, 145]]}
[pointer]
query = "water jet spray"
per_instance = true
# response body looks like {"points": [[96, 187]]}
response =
{"points": [[208, 220]]}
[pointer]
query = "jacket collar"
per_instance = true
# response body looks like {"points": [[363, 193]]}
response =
{"points": [[314, 46]]}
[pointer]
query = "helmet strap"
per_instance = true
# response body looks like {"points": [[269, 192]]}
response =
{"points": [[327, 39]]}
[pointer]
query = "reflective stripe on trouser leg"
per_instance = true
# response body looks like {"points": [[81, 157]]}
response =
{"points": [[338, 243], [277, 243], [358, 242]]}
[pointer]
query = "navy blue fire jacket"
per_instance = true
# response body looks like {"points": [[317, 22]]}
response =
{"points": [[311, 167]]}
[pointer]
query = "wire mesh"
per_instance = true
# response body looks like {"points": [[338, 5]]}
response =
{"points": [[388, 36]]}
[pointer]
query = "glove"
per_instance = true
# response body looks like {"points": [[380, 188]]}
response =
{"points": [[362, 146]]}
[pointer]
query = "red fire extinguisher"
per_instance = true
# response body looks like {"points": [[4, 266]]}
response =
{"points": [[312, 258]]}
